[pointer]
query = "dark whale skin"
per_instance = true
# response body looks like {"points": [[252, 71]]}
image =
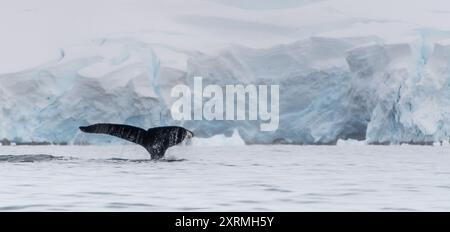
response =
{"points": [[155, 140]]}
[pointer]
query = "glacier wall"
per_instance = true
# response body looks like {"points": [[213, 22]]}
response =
{"points": [[330, 89]]}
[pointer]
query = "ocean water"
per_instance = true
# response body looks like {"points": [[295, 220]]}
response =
{"points": [[226, 178]]}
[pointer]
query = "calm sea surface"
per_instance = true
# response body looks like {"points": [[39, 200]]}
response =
{"points": [[235, 178]]}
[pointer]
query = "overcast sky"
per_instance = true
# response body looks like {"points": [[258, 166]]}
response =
{"points": [[33, 32]]}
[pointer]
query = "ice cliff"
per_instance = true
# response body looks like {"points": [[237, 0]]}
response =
{"points": [[330, 88]]}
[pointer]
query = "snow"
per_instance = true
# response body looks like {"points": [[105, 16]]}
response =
{"points": [[226, 178], [39, 30], [219, 140], [330, 89], [347, 69], [350, 142]]}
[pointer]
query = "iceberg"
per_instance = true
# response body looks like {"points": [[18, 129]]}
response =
{"points": [[331, 89]]}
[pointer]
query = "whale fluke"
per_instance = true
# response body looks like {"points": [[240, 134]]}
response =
{"points": [[155, 140]]}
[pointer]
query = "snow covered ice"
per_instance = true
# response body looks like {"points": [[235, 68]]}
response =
{"points": [[383, 79], [228, 178], [330, 89]]}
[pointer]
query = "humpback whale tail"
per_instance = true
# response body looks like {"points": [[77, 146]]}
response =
{"points": [[155, 140]]}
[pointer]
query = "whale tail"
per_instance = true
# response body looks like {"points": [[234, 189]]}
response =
{"points": [[155, 140], [133, 134]]}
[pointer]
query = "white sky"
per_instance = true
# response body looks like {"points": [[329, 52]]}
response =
{"points": [[33, 32]]}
